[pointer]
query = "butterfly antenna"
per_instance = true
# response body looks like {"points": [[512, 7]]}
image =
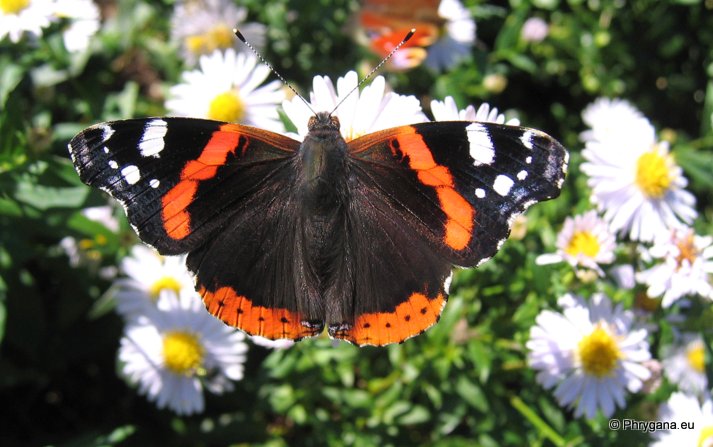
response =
{"points": [[375, 69], [242, 38]]}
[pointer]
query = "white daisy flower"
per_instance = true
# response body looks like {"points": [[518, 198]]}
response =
{"points": [[624, 276], [227, 88], [634, 179], [104, 214], [362, 112], [179, 351], [685, 268], [585, 241], [85, 252], [534, 30], [682, 408], [608, 119], [20, 16], [83, 18], [203, 26], [684, 364], [591, 354], [148, 276], [447, 110], [458, 38], [281, 343]]}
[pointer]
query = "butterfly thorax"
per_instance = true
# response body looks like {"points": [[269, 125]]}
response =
{"points": [[323, 157]]}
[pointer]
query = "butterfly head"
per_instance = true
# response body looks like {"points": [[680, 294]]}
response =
{"points": [[323, 121]]}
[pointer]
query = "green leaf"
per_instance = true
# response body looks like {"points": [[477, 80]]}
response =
{"points": [[47, 197], [697, 164], [10, 77], [417, 414], [298, 414], [13, 141], [395, 410], [471, 393], [3, 310], [9, 207], [537, 421], [707, 121]]}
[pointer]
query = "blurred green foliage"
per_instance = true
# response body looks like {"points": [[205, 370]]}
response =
{"points": [[465, 382]]}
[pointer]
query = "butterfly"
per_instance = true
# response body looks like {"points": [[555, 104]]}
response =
{"points": [[383, 23], [288, 237]]}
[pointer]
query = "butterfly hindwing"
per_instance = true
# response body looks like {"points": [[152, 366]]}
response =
{"points": [[396, 285], [252, 274], [170, 173]]}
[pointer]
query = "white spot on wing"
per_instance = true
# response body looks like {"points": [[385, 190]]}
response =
{"points": [[152, 140], [502, 185], [154, 183], [107, 132], [131, 174], [528, 160], [106, 150], [479, 193], [565, 165], [522, 175], [526, 139], [113, 164], [447, 283], [481, 146], [484, 260]]}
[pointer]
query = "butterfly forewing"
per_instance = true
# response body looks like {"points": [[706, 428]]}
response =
{"points": [[462, 182], [167, 172]]}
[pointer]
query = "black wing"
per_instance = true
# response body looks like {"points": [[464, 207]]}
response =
{"points": [[429, 196], [179, 179]]}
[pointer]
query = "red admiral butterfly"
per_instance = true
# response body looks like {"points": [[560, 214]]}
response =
{"points": [[444, 34], [285, 237], [385, 22]]}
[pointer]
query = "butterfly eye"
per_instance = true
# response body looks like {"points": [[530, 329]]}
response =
{"points": [[334, 121], [312, 122]]}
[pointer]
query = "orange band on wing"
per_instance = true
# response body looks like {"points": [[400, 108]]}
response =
{"points": [[460, 213], [176, 219], [410, 318], [238, 311]]}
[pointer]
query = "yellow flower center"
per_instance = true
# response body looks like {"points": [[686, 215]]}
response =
{"points": [[182, 352], [584, 243], [164, 283], [221, 36], [13, 6], [687, 251], [88, 244], [653, 175], [353, 134], [706, 435], [696, 357], [218, 37], [227, 107], [599, 353], [645, 302]]}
